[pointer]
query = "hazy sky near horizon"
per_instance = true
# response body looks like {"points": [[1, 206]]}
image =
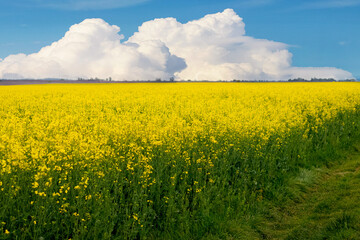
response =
{"points": [[320, 33]]}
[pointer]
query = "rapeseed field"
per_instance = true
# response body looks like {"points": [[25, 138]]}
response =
{"points": [[159, 161]]}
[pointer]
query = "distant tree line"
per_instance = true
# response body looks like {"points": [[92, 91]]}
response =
{"points": [[109, 79], [312, 80]]}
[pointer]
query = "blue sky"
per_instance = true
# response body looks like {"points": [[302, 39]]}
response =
{"points": [[321, 33]]}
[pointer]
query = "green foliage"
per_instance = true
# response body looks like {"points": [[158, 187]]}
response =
{"points": [[158, 168]]}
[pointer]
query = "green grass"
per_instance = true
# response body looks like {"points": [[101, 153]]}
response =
{"points": [[321, 203]]}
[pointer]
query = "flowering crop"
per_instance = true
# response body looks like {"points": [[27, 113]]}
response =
{"points": [[137, 160]]}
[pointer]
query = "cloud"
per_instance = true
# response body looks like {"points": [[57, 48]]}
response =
{"points": [[255, 3], [76, 5], [343, 43], [93, 49], [331, 4], [214, 47]]}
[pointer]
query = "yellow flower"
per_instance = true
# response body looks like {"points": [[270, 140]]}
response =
{"points": [[35, 185]]}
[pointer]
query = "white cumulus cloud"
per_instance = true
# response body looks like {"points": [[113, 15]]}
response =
{"points": [[92, 49], [214, 47]]}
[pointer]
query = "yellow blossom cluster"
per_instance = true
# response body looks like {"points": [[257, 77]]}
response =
{"points": [[134, 156]]}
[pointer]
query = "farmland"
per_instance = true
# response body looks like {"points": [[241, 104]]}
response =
{"points": [[154, 161]]}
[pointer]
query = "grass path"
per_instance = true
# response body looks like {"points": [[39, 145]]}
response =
{"points": [[324, 203]]}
